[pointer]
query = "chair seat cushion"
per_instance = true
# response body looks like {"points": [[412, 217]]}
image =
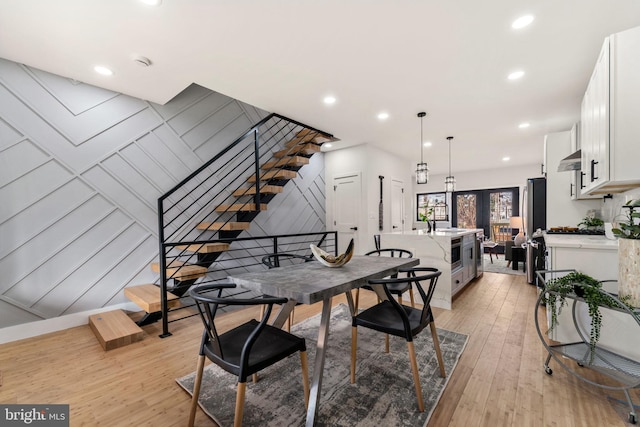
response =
{"points": [[272, 345], [385, 318], [394, 288]]}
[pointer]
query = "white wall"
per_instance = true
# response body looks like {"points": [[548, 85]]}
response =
{"points": [[81, 169], [371, 162], [515, 176]]}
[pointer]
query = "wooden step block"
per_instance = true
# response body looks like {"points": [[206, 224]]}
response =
{"points": [[224, 226], [295, 161], [205, 248], [179, 270], [114, 329], [274, 174], [304, 149], [147, 297], [265, 189], [241, 207]]}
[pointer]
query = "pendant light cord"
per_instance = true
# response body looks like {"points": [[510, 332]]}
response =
{"points": [[449, 156], [422, 143]]}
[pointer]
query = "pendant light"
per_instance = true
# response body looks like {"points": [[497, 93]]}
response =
{"points": [[450, 181], [422, 171]]}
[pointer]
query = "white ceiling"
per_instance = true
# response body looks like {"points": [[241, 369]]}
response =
{"points": [[449, 58]]}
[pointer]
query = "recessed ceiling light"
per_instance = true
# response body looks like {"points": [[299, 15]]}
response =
{"points": [[522, 22], [329, 100], [100, 69], [383, 116], [151, 2], [327, 145], [427, 144], [506, 159], [516, 75], [524, 125]]}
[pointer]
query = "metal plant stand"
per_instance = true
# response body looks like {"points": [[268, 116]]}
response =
{"points": [[624, 372]]}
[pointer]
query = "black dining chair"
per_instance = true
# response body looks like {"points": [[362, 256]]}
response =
{"points": [[245, 349], [398, 289], [396, 319], [279, 260]]}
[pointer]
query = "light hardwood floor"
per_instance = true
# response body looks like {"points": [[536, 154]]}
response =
{"points": [[499, 380]]}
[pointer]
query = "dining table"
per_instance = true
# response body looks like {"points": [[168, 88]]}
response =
{"points": [[312, 282]]}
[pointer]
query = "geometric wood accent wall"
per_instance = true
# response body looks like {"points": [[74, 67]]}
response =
{"points": [[81, 169]]}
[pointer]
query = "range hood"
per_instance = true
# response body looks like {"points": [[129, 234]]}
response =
{"points": [[571, 162]]}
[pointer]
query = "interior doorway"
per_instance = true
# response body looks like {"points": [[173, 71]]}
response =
{"points": [[346, 208], [397, 205]]}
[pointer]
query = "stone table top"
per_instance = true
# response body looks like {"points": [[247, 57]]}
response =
{"points": [[311, 282]]}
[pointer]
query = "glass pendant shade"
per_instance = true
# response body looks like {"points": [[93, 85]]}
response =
{"points": [[449, 184], [422, 173], [450, 181]]}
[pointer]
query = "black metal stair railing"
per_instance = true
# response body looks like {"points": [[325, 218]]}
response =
{"points": [[207, 194]]}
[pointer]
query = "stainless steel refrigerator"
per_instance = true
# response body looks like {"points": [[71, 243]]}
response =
{"points": [[535, 206], [534, 214]]}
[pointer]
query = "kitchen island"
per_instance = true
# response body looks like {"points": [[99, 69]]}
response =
{"points": [[456, 252]]}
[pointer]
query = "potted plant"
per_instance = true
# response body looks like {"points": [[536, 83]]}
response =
{"points": [[629, 253], [590, 221], [424, 217], [576, 284]]}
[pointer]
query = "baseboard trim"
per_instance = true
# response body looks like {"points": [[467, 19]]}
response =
{"points": [[41, 327]]}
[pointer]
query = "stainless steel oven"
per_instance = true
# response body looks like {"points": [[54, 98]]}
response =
{"points": [[456, 253]]}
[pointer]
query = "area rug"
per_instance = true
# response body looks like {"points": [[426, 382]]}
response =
{"points": [[384, 393], [500, 266]]}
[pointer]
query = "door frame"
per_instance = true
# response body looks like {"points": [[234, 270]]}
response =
{"points": [[357, 233], [402, 204]]}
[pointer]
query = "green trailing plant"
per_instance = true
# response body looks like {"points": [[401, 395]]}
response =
{"points": [[629, 229], [590, 290]]}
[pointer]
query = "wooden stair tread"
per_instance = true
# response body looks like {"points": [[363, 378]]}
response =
{"points": [[223, 226], [147, 297], [205, 248], [303, 149], [179, 270], [265, 189], [241, 207], [114, 329], [286, 161], [274, 174], [308, 135]]}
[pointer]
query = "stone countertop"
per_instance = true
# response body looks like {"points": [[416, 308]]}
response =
{"points": [[444, 232], [580, 241]]}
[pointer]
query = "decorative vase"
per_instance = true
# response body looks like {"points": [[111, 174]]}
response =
{"points": [[629, 270]]}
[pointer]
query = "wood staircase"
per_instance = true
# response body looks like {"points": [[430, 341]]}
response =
{"points": [[277, 171]]}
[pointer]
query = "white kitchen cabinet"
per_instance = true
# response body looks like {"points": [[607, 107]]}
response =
{"points": [[562, 208], [597, 257], [577, 184], [610, 129]]}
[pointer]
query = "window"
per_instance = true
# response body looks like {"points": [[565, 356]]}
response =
{"points": [[485, 208], [467, 210], [432, 206]]}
